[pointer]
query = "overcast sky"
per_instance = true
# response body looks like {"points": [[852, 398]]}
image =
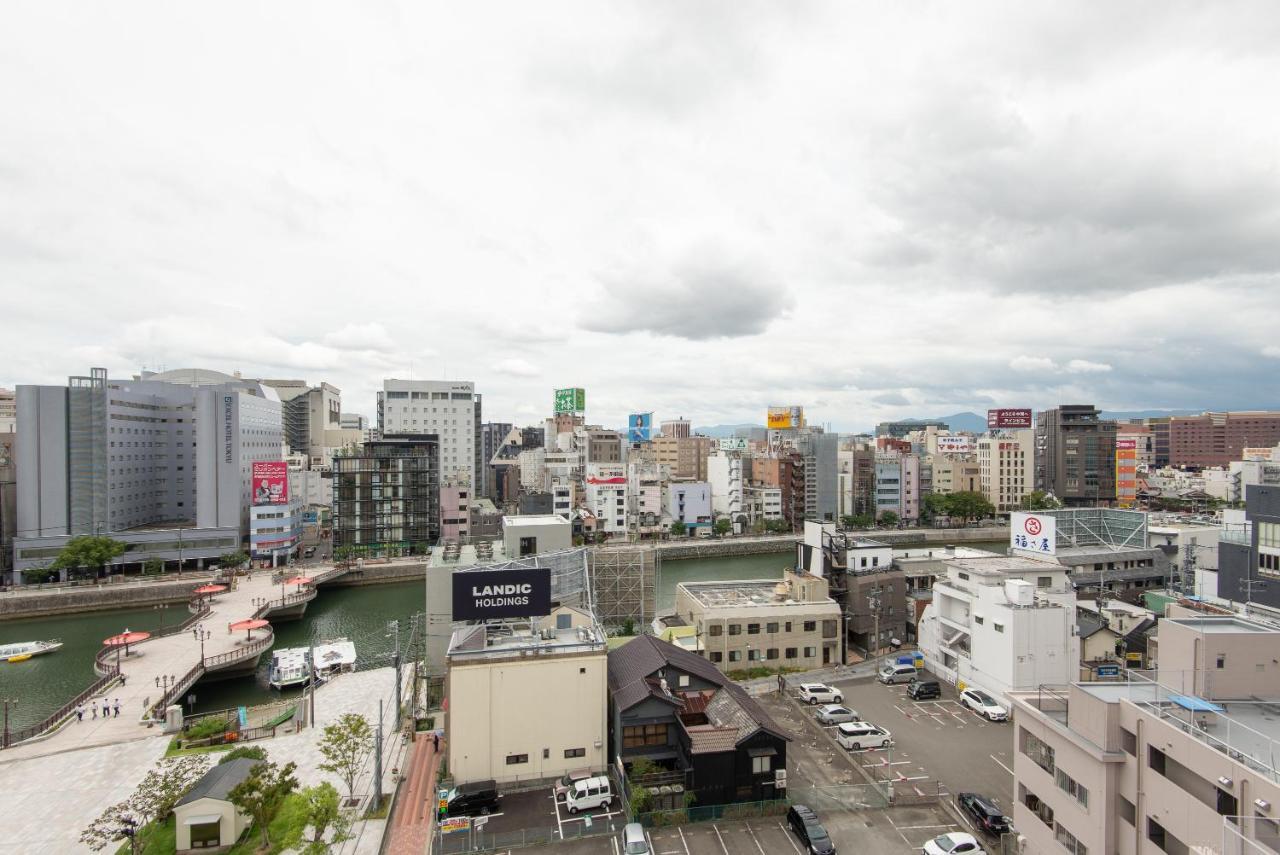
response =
{"points": [[874, 210]]}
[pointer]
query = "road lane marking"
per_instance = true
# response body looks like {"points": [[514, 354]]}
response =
{"points": [[1001, 765]]}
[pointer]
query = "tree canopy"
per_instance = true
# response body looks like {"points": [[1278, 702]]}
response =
{"points": [[88, 550], [262, 792], [345, 745]]}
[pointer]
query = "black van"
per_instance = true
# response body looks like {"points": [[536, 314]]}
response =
{"points": [[804, 824], [476, 798], [924, 690]]}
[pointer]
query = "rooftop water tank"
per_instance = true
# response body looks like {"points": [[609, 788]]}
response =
{"points": [[1020, 592]]}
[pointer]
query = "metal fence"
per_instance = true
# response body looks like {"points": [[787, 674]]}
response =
{"points": [[712, 813]]}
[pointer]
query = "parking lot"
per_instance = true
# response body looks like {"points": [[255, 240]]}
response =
{"points": [[939, 739]]}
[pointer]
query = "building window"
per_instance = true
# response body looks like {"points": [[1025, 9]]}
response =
{"points": [[1222, 660], [788, 626], [1129, 742], [963, 576], [575, 752], [771, 627], [206, 835], [1072, 788], [829, 629], [979, 620], [810, 652], [735, 629], [1040, 753], [753, 629], [1155, 759], [790, 653], [638, 736], [716, 629], [810, 625], [517, 759], [1155, 833], [1127, 811], [761, 765], [1044, 581], [1068, 841], [735, 655], [772, 653], [717, 656], [998, 627]]}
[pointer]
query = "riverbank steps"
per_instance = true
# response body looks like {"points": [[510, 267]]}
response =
{"points": [[50, 799]]}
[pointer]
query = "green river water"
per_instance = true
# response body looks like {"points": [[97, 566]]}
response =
{"points": [[43, 683]]}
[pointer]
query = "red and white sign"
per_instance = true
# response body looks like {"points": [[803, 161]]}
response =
{"points": [[1000, 419], [955, 445], [270, 482], [1033, 533]]}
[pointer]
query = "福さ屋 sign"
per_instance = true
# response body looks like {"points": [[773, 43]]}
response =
{"points": [[1033, 532], [486, 594]]}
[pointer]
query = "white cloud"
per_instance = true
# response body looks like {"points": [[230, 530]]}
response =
{"points": [[1032, 364], [1272, 351], [516, 367], [1084, 366], [367, 336]]}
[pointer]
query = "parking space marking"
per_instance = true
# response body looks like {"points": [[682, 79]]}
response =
{"points": [[889, 816], [614, 841], [787, 834], [718, 837], [684, 842], [754, 839], [1001, 765]]}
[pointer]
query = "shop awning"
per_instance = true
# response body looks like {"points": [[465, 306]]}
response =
{"points": [[1193, 704], [203, 819]]}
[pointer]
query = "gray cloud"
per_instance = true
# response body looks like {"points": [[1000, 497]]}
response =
{"points": [[706, 295], [892, 399]]}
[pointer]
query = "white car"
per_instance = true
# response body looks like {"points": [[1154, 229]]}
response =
{"points": [[835, 714], [957, 842], [817, 693], [984, 705], [857, 735]]}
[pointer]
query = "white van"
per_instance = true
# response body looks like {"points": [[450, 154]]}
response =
{"points": [[857, 735], [589, 793], [897, 673]]}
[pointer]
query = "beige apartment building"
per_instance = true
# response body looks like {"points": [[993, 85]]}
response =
{"points": [[1006, 468], [1184, 762], [684, 456], [956, 476], [528, 698], [759, 623]]}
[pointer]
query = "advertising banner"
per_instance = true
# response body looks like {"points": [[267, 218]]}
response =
{"points": [[487, 594], [785, 418], [270, 482], [1126, 473], [1002, 419], [732, 443], [639, 427], [1033, 532], [571, 400], [955, 444]]}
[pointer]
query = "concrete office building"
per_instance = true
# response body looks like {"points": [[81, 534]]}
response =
{"points": [[603, 446], [121, 458], [747, 624], [8, 411], [493, 435], [527, 698], [386, 498], [685, 458], [1076, 455], [724, 473], [1192, 549], [1249, 555], [353, 421], [820, 455], [455, 512], [762, 503], [868, 586], [313, 420], [275, 531], [955, 476], [310, 487], [1001, 623], [1216, 439], [1144, 443], [690, 503], [888, 485], [8, 502], [786, 474], [606, 496], [448, 409], [1182, 763], [677, 428], [1006, 468], [898, 430]]}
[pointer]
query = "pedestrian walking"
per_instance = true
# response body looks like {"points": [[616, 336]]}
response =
{"points": [[94, 709], [79, 712], [123, 678], [106, 708], [117, 708], [435, 741]]}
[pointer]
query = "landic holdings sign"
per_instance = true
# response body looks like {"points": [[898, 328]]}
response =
{"points": [[486, 594]]}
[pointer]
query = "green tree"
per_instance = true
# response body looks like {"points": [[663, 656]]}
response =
{"points": [[88, 551], [344, 746], [38, 575], [853, 522], [779, 527], [253, 752], [723, 526], [152, 567], [233, 560], [888, 519], [154, 799], [968, 505], [261, 793], [324, 817], [678, 529], [1039, 500], [343, 555], [935, 505]]}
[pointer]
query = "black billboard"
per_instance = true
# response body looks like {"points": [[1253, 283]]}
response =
{"points": [[489, 594]]}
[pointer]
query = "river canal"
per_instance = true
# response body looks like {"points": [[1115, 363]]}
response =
{"points": [[44, 683]]}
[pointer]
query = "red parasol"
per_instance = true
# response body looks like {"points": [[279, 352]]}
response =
{"points": [[211, 589], [126, 638], [298, 580], [248, 625]]}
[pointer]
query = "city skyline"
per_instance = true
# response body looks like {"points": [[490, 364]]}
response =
{"points": [[695, 211]]}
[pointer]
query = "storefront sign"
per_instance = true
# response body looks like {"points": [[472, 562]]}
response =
{"points": [[1033, 532]]}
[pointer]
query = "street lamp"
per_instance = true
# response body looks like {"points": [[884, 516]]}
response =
{"points": [[161, 608], [166, 682], [202, 635]]}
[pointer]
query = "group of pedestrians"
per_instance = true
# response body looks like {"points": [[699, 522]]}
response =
{"points": [[110, 709]]}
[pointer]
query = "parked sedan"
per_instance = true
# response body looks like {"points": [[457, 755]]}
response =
{"points": [[984, 705], [988, 818], [835, 714], [817, 693], [956, 843]]}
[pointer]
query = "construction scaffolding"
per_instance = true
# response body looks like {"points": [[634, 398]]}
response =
{"points": [[1099, 527], [625, 580]]}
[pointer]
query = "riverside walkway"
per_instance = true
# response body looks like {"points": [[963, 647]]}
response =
{"points": [[160, 670]]}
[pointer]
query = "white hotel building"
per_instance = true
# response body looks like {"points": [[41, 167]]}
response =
{"points": [[450, 409]]}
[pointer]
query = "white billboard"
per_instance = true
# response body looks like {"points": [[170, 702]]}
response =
{"points": [[1033, 533], [955, 444], [733, 443]]}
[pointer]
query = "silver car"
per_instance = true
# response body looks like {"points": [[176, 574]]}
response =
{"points": [[835, 714]]}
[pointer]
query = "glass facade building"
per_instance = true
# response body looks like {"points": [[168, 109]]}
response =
{"points": [[386, 498]]}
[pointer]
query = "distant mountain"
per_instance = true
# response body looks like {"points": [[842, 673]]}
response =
{"points": [[1149, 414], [964, 422], [724, 431]]}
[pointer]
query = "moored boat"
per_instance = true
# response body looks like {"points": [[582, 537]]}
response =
{"points": [[20, 651]]}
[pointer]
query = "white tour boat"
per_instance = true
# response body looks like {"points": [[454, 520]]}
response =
{"points": [[291, 666], [20, 651]]}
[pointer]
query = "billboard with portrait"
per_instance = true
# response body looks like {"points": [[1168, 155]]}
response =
{"points": [[639, 427]]}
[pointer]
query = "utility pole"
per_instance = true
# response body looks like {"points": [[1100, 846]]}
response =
{"points": [[377, 762], [394, 627], [873, 599], [311, 677], [8, 702]]}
